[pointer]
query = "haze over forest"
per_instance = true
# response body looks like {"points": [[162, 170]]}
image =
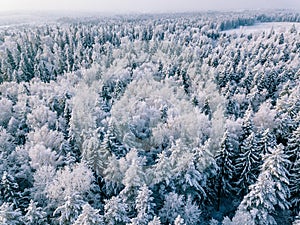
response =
{"points": [[125, 6]]}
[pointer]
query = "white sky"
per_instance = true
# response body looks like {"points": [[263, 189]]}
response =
{"points": [[116, 6]]}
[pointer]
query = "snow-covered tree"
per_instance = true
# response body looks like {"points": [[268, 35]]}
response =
{"points": [[134, 177], [83, 116], [90, 216], [40, 117], [226, 168], [191, 212], [70, 210], [9, 215], [293, 152], [69, 180], [115, 211], [248, 163], [43, 177], [265, 140], [155, 221], [41, 156], [113, 176], [172, 207], [34, 214], [270, 190], [94, 154], [144, 206], [6, 107], [179, 221], [9, 189]]}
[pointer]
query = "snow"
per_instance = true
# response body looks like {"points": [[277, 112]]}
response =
{"points": [[263, 27]]}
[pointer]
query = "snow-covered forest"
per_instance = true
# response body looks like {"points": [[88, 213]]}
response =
{"points": [[151, 119]]}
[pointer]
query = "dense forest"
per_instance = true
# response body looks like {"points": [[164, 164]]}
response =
{"points": [[151, 119]]}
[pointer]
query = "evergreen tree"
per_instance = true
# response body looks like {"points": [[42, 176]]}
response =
{"points": [[134, 178], [10, 60], [105, 151], [225, 165], [26, 69], [179, 221], [173, 206], [206, 109], [162, 169], [9, 215], [70, 210], [270, 191], [91, 154], [9, 189], [266, 140], [34, 214], [89, 216], [247, 125], [115, 211], [191, 212], [275, 165], [293, 152], [144, 206], [155, 221], [113, 176], [248, 163]]}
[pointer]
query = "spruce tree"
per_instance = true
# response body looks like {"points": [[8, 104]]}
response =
{"points": [[70, 210], [225, 167], [270, 190], [9, 215], [248, 163], [9, 189], [115, 211], [144, 206], [89, 216], [34, 214], [293, 153]]}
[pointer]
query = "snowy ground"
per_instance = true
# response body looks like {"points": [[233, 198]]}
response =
{"points": [[261, 27]]}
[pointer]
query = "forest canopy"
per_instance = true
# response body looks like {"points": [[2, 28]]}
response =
{"points": [[151, 119]]}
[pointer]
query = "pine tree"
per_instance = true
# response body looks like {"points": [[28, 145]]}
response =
{"points": [[275, 165], [270, 191], [206, 109], [115, 211], [162, 169], [144, 206], [9, 189], [293, 152], [248, 163], [134, 178], [9, 215], [92, 156], [265, 141], [34, 214], [70, 210], [10, 59], [155, 221], [191, 212], [114, 145], [173, 206], [89, 216], [113, 176], [179, 221], [26, 69], [226, 167], [247, 125], [105, 151]]}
